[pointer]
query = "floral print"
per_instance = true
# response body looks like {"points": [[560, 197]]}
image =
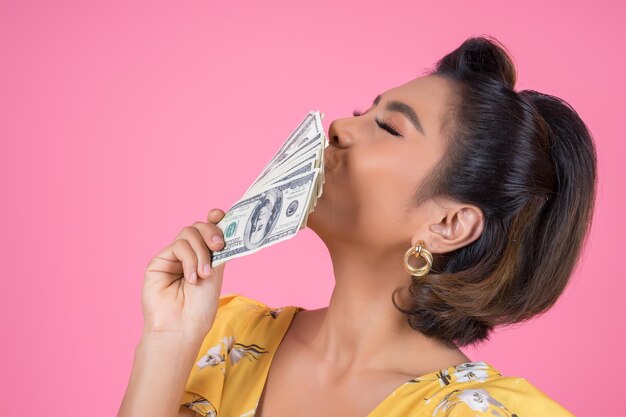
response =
{"points": [[477, 399], [233, 363], [213, 357], [235, 351], [202, 406], [472, 371], [274, 313]]}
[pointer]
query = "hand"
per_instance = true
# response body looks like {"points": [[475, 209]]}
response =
{"points": [[179, 295]]}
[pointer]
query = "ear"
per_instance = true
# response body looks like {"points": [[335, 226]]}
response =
{"points": [[459, 226]]}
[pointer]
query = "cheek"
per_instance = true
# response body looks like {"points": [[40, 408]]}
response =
{"points": [[385, 173], [369, 190], [381, 185]]}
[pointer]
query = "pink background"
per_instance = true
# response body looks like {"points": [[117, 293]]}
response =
{"points": [[122, 122]]}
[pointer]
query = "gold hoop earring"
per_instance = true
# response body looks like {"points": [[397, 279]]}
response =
{"points": [[420, 252]]}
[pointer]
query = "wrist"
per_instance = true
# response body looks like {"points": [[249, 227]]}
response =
{"points": [[169, 341], [161, 368]]}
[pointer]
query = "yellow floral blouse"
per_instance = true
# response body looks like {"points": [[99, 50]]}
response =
{"points": [[233, 363]]}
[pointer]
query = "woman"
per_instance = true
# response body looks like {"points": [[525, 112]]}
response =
{"points": [[453, 205]]}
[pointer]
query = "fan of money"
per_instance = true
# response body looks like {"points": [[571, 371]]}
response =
{"points": [[279, 201]]}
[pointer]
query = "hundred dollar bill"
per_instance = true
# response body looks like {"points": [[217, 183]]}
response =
{"points": [[306, 165], [279, 201], [310, 157], [268, 217], [309, 134]]}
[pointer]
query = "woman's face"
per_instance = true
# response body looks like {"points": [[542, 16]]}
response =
{"points": [[371, 175]]}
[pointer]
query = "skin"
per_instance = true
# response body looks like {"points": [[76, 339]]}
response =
{"points": [[360, 347], [347, 358]]}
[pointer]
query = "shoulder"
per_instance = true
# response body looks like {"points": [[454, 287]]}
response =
{"points": [[504, 395], [239, 345], [231, 301], [235, 301], [245, 317]]}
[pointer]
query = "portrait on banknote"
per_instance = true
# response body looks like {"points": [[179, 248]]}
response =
{"points": [[263, 218]]}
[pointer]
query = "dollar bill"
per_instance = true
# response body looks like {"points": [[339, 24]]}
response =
{"points": [[266, 218], [310, 157], [279, 201], [306, 136]]}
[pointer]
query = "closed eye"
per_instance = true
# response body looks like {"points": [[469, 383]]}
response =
{"points": [[380, 123], [386, 127]]}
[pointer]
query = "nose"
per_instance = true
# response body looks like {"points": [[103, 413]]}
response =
{"points": [[341, 133]]}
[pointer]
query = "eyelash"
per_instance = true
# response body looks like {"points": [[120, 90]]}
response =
{"points": [[381, 124]]}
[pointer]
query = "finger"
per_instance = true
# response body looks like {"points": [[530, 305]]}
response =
{"points": [[183, 251], [199, 236], [166, 262], [213, 235], [215, 215]]}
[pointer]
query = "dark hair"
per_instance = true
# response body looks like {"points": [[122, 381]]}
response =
{"points": [[527, 160]]}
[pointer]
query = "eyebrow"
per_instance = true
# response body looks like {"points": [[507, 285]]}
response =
{"points": [[405, 109]]}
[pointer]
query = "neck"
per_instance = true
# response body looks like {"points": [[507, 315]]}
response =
{"points": [[361, 328]]}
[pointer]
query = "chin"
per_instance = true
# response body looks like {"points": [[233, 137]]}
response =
{"points": [[319, 219], [313, 220]]}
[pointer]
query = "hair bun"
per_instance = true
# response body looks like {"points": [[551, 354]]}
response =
{"points": [[482, 57]]}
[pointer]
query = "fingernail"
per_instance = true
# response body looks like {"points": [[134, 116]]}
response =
{"points": [[207, 269], [217, 239], [193, 277]]}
